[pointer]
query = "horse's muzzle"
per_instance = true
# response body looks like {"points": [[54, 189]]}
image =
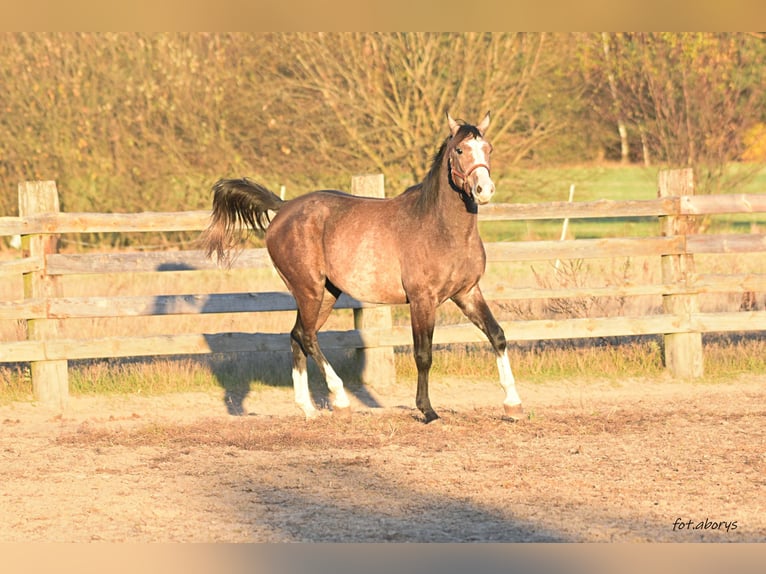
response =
{"points": [[482, 186]]}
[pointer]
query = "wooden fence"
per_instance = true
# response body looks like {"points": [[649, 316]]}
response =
{"points": [[681, 322]]}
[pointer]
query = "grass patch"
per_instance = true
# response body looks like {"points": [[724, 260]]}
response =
{"points": [[726, 355], [731, 354], [155, 377], [545, 361], [592, 182], [536, 362], [15, 384]]}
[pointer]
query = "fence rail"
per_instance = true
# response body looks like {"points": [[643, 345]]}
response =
{"points": [[681, 322]]}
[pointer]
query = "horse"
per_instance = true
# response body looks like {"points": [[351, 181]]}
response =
{"points": [[420, 248]]}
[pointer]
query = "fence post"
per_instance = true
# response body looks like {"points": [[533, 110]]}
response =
{"points": [[683, 351], [50, 382], [377, 365]]}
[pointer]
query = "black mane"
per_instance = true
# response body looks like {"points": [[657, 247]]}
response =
{"points": [[429, 187]]}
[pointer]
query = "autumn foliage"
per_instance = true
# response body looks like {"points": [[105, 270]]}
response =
{"points": [[131, 122]]}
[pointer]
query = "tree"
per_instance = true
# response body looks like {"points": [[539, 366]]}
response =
{"points": [[381, 98], [691, 96], [128, 121], [621, 127]]}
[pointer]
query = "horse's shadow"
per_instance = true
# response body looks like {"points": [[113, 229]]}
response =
{"points": [[236, 372]]}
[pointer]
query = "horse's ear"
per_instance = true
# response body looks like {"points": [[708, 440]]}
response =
{"points": [[453, 125], [484, 124]]}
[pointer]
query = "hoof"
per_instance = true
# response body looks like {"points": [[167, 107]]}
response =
{"points": [[342, 413], [431, 416], [311, 414], [513, 412]]}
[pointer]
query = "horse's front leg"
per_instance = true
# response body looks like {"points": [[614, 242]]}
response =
{"points": [[422, 316], [474, 307]]}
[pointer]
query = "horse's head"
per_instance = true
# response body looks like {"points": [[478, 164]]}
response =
{"points": [[468, 154]]}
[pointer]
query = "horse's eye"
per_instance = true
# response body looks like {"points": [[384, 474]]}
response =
{"points": [[459, 151]]}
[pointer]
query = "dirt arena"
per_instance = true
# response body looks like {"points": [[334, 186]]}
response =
{"points": [[592, 461]]}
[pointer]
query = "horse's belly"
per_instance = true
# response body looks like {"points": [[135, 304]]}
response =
{"points": [[368, 275]]}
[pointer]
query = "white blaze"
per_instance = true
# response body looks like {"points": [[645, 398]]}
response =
{"points": [[484, 187], [477, 150]]}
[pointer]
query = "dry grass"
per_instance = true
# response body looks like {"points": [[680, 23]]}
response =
{"points": [[533, 363]]}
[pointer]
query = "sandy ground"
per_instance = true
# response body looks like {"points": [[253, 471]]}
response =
{"points": [[640, 460]]}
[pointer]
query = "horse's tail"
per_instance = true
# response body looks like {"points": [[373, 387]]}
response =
{"points": [[238, 204]]}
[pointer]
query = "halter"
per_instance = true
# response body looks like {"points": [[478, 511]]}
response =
{"points": [[464, 176]]}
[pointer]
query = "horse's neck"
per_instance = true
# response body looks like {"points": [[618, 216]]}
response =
{"points": [[453, 213]]}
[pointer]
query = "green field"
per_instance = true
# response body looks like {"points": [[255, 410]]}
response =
{"points": [[596, 182]]}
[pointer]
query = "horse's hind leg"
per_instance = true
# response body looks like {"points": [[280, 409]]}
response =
{"points": [[311, 317], [476, 309], [300, 372]]}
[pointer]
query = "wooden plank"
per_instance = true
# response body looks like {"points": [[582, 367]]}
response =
{"points": [[21, 266], [162, 345], [532, 330], [730, 322], [718, 204], [370, 338], [138, 262], [131, 306], [22, 351], [70, 307], [584, 248], [64, 264], [26, 309], [12, 226], [171, 305], [169, 344], [100, 307], [132, 222], [540, 329], [76, 222], [592, 327], [61, 264], [602, 208], [730, 243], [52, 223], [198, 220], [713, 283], [502, 292]]}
